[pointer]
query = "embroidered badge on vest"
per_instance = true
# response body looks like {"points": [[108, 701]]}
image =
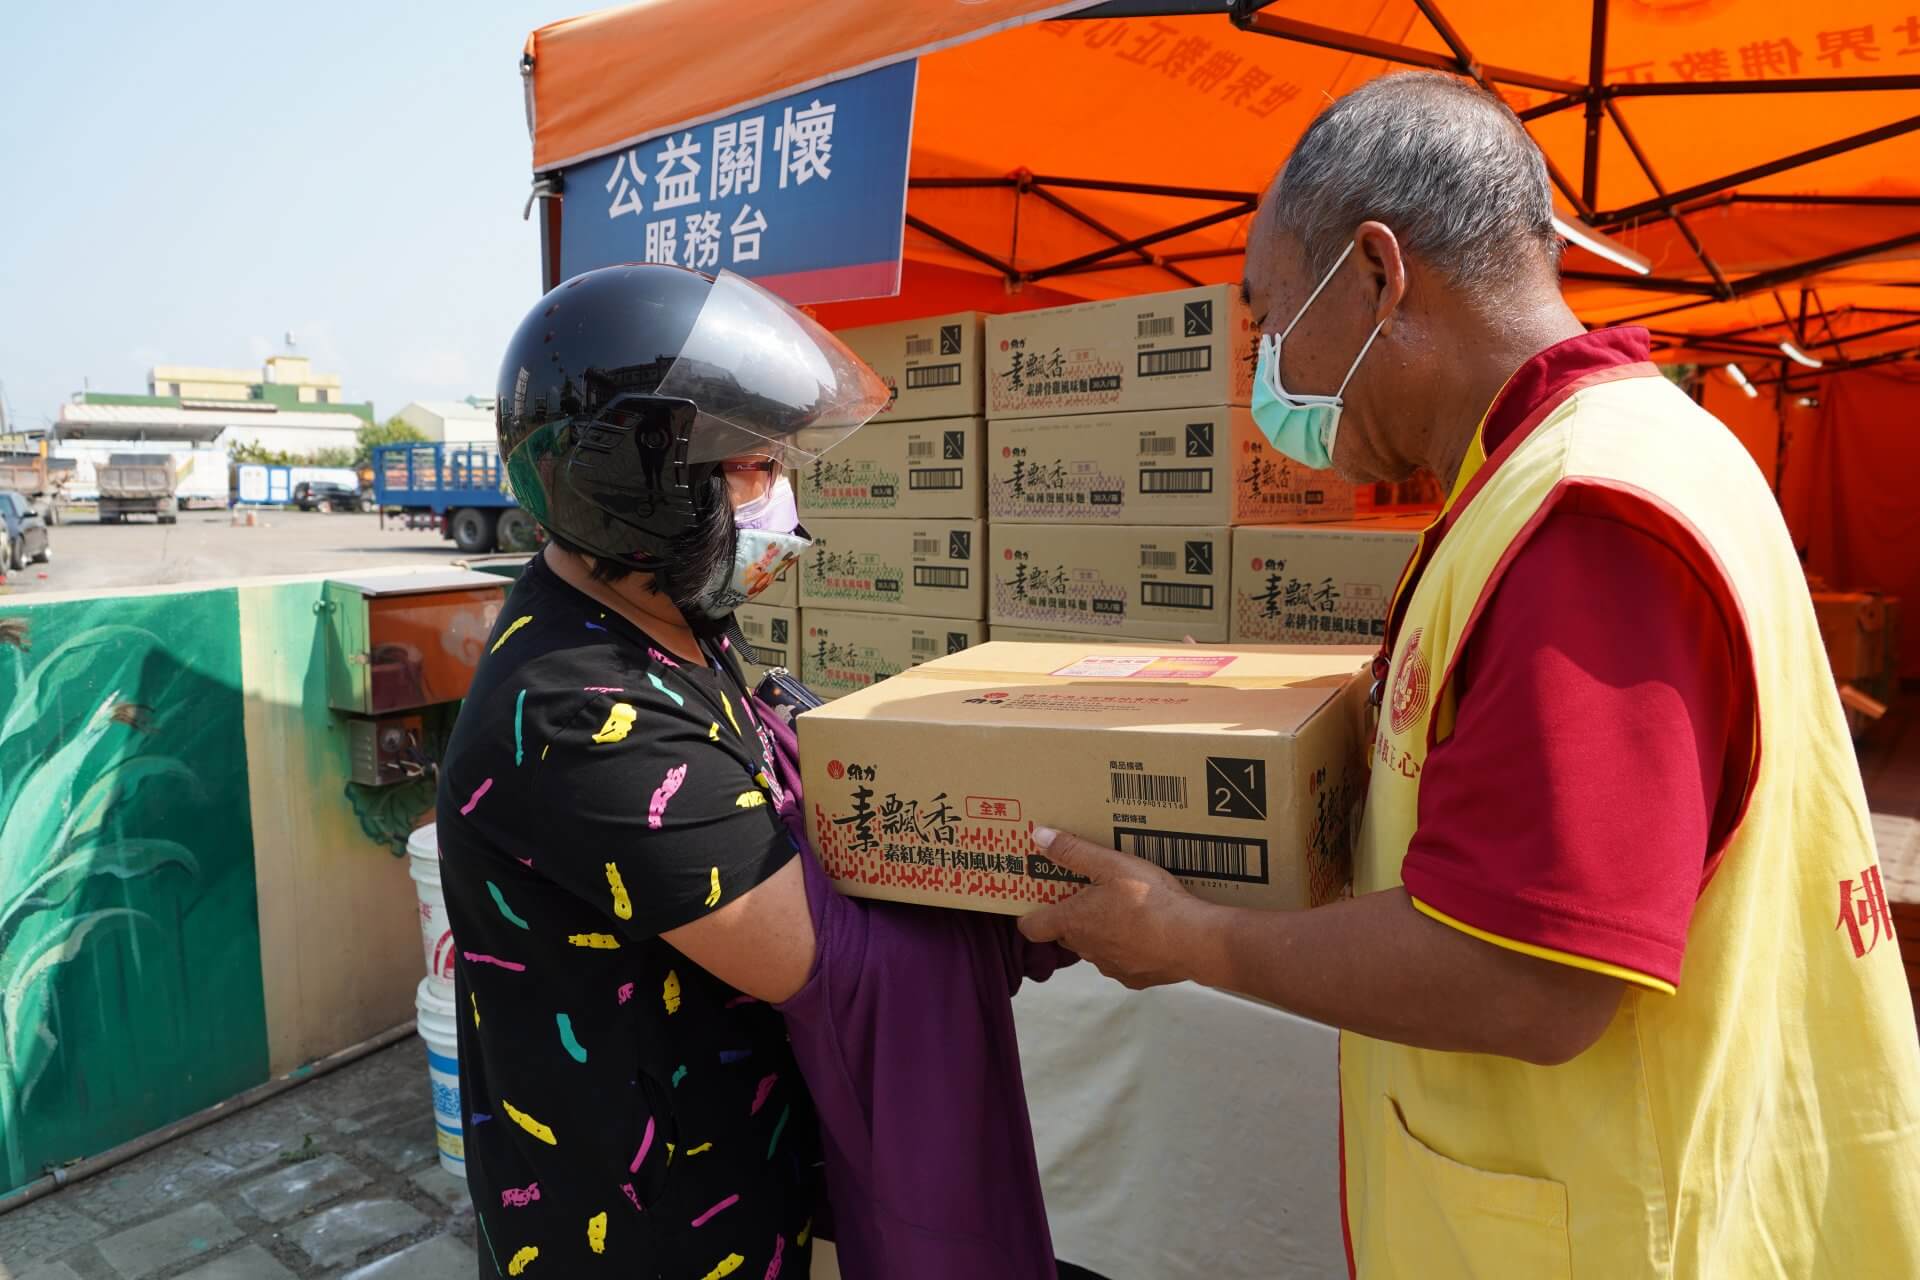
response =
{"points": [[1409, 700]]}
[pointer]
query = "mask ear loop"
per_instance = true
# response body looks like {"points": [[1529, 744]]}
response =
{"points": [[1357, 359], [1273, 365]]}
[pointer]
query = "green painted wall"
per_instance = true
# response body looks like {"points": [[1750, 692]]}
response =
{"points": [[130, 980]]}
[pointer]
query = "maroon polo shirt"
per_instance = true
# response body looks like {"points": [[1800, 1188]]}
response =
{"points": [[1605, 724]]}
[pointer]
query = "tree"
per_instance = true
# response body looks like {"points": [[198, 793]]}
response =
{"points": [[393, 431], [340, 457]]}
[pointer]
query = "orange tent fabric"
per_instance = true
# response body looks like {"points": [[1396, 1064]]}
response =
{"points": [[1195, 102], [1039, 144]]}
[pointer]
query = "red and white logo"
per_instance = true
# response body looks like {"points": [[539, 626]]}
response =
{"points": [[836, 770], [1408, 704]]}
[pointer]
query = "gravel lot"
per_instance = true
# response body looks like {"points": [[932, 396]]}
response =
{"points": [[206, 547]]}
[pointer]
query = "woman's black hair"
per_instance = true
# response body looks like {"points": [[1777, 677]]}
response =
{"points": [[693, 558]]}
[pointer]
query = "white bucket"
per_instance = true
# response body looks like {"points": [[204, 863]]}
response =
{"points": [[435, 1021], [436, 934]]}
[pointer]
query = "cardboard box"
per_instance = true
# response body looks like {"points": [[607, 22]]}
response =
{"points": [[1853, 626], [1420, 492], [1271, 488], [933, 568], [841, 651], [1238, 770], [1155, 351], [1168, 466], [932, 365], [1175, 466], [1039, 635], [1318, 583], [774, 634], [911, 470], [1138, 580]]}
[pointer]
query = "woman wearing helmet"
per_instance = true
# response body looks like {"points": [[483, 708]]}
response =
{"points": [[617, 848]]}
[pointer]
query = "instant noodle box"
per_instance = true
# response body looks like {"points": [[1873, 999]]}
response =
{"points": [[1239, 770], [932, 365], [1202, 466], [773, 633], [1171, 350], [1145, 581], [1318, 583], [842, 651], [931, 568], [916, 470]]}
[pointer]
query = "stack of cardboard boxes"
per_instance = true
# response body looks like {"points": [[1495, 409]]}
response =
{"points": [[895, 575], [1131, 496]]}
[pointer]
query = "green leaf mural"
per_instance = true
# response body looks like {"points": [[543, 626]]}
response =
{"points": [[130, 989]]}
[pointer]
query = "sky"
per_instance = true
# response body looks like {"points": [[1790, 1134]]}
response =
{"points": [[187, 183]]}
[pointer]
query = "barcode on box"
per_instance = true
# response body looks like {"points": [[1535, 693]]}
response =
{"points": [[919, 449], [1177, 480], [1155, 364], [933, 375], [926, 546], [1156, 446], [939, 478], [1149, 790], [1156, 326], [769, 657], [938, 575], [1151, 559], [919, 346], [926, 647], [1177, 595], [1184, 854]]}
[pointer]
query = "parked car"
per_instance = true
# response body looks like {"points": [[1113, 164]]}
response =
{"points": [[25, 533], [312, 495]]}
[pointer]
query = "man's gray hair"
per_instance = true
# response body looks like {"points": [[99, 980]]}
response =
{"points": [[1441, 162]]}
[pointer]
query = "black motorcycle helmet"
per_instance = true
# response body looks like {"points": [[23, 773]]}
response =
{"points": [[626, 387]]}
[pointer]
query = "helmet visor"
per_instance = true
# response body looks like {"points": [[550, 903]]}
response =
{"points": [[767, 379]]}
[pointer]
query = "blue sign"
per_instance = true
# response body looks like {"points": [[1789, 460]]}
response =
{"points": [[806, 195]]}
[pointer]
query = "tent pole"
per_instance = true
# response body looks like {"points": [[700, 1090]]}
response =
{"points": [[958, 245], [1801, 84], [1663, 311], [1839, 366], [1646, 167], [1651, 284], [1801, 270], [1596, 81], [1841, 146], [1143, 188], [1088, 220], [1268, 24], [1071, 265]]}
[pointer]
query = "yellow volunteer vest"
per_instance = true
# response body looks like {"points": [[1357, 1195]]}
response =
{"points": [[1765, 1119]]}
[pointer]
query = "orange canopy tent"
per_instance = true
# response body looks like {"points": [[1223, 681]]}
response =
{"points": [[1761, 157]]}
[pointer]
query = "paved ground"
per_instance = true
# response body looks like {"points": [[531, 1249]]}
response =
{"points": [[335, 1178], [206, 547]]}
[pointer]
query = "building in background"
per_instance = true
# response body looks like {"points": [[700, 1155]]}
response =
{"points": [[198, 416], [468, 421]]}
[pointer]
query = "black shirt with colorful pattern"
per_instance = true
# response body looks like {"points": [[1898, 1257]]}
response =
{"points": [[627, 1114]]}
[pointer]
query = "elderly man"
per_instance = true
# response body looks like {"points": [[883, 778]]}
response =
{"points": [[1601, 1012]]}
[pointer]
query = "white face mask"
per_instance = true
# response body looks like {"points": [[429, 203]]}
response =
{"points": [[767, 539]]}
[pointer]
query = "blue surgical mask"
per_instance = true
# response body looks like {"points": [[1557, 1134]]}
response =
{"points": [[1302, 427]]}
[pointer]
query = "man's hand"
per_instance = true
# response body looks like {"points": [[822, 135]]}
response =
{"points": [[1132, 922]]}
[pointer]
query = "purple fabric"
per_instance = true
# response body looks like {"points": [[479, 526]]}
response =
{"points": [[904, 1032]]}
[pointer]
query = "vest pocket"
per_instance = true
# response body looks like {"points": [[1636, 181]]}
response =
{"points": [[1444, 1220]]}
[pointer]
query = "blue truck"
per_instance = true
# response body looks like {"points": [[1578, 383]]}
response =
{"points": [[458, 489]]}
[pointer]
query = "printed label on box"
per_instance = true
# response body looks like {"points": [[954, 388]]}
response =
{"points": [[1143, 667]]}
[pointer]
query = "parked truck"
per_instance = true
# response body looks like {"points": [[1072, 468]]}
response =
{"points": [[42, 481], [460, 490], [138, 484]]}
